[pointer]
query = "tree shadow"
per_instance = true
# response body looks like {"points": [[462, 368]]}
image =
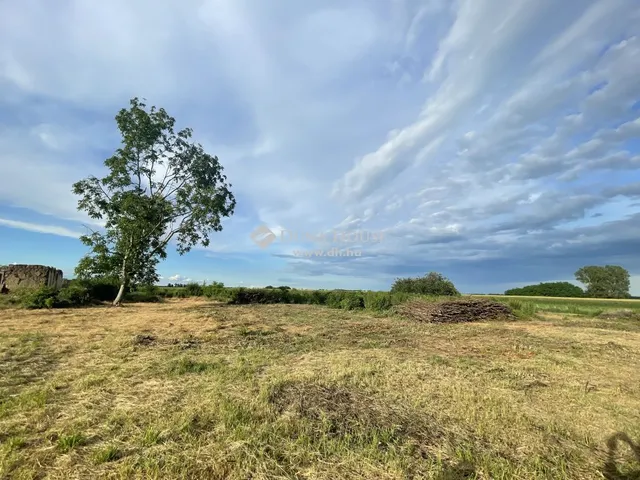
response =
{"points": [[611, 470]]}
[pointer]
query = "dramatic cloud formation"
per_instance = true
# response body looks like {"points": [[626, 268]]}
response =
{"points": [[496, 141]]}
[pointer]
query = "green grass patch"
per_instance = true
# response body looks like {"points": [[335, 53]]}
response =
{"points": [[109, 453], [68, 442]]}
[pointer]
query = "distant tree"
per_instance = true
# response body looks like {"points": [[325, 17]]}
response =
{"points": [[431, 284], [269, 286], [160, 186], [609, 281], [548, 289]]}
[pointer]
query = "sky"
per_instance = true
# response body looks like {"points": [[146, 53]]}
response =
{"points": [[494, 141]]}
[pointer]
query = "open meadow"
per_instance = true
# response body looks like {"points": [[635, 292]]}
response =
{"points": [[191, 388]]}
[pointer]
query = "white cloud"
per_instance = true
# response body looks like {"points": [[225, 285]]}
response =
{"points": [[179, 278], [34, 227]]}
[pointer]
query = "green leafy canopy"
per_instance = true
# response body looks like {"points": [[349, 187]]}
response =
{"points": [[609, 281], [160, 186]]}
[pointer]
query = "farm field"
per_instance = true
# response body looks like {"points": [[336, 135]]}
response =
{"points": [[591, 307], [192, 388], [627, 302]]}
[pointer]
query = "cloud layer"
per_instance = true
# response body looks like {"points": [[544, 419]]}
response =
{"points": [[496, 141]]}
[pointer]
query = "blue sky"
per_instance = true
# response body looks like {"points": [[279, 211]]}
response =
{"points": [[495, 141]]}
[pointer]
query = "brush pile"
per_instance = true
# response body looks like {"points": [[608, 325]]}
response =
{"points": [[455, 311]]}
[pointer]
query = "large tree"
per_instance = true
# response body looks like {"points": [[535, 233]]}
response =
{"points": [[609, 281], [160, 186]]}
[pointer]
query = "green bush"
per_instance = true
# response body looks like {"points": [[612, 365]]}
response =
{"points": [[101, 289], [334, 298], [143, 296], [73, 296], [431, 284], [378, 301], [549, 289], [245, 296], [193, 289], [166, 292], [215, 291], [148, 289], [297, 296], [39, 298], [317, 297], [400, 297], [352, 301]]}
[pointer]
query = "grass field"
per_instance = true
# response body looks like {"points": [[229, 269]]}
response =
{"points": [[589, 307], [195, 389]]}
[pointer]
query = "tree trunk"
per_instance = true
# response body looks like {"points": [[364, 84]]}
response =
{"points": [[123, 282], [118, 300]]}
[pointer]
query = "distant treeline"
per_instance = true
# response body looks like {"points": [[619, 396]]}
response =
{"points": [[549, 289]]}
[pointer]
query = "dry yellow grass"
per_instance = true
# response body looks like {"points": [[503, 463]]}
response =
{"points": [[190, 389]]}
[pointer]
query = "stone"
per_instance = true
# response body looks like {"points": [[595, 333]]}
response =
{"points": [[29, 276]]}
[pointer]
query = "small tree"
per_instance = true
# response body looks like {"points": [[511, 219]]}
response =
{"points": [[160, 186], [609, 281], [433, 283]]}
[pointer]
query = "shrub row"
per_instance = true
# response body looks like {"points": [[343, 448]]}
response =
{"points": [[548, 289], [345, 299], [74, 293], [215, 291], [46, 297], [77, 293]]}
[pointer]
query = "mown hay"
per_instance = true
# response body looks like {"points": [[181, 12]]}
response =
{"points": [[347, 411], [455, 311], [624, 314], [143, 340], [349, 415]]}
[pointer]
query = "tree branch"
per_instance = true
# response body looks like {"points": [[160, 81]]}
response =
{"points": [[171, 234]]}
